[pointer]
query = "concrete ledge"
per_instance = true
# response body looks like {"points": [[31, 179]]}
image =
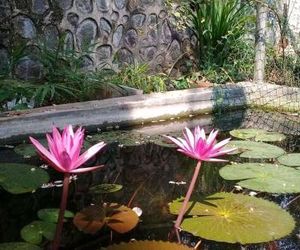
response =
{"points": [[147, 108]]}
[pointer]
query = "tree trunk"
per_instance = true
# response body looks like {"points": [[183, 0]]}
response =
{"points": [[260, 42]]}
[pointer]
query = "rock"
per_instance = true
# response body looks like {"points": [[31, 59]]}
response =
{"points": [[5, 10], [65, 4], [125, 19], [163, 14], [105, 26], [39, 6], [138, 20], [4, 57], [51, 36], [174, 50], [104, 52], [120, 4], [24, 27], [103, 5], [114, 16], [87, 64], [124, 57], [86, 33], [166, 33], [131, 38], [29, 69], [73, 19], [117, 36], [69, 41], [148, 53], [84, 6]]}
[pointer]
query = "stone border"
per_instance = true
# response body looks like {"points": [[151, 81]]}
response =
{"points": [[142, 109]]}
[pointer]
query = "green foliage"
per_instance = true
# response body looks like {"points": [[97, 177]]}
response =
{"points": [[224, 51], [257, 135], [18, 246], [138, 76], [235, 218], [148, 245]]}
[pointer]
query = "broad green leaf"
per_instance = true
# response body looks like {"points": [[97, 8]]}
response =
{"points": [[148, 245], [28, 150], [105, 188], [263, 177], [256, 150], [235, 218], [118, 217], [35, 231], [18, 246], [21, 178], [51, 214], [292, 160], [257, 135]]}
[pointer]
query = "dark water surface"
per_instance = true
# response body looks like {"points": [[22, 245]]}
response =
{"points": [[148, 173]]}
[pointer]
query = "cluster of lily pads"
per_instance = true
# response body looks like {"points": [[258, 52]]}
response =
{"points": [[223, 217]]}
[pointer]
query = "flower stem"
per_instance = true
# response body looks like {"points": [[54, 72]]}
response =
{"points": [[186, 199], [63, 204]]}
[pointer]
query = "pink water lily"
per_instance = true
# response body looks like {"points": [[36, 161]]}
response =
{"points": [[197, 146], [64, 156], [64, 150]]}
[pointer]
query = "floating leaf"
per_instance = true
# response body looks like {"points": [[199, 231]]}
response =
{"points": [[34, 232], [148, 245], [235, 218], [257, 150], [18, 246], [118, 217], [125, 138], [105, 188], [28, 150], [292, 160], [263, 177], [21, 178], [257, 135], [51, 214]]}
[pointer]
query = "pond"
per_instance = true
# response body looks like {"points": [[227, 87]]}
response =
{"points": [[152, 174]]}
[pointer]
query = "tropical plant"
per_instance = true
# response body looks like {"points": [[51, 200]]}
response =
{"points": [[218, 25], [64, 156], [197, 146]]}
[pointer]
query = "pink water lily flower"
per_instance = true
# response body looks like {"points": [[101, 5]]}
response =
{"points": [[64, 150], [197, 146]]}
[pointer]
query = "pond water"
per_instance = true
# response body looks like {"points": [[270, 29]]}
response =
{"points": [[152, 174]]}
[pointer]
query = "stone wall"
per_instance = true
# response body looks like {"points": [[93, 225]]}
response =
{"points": [[118, 32]]}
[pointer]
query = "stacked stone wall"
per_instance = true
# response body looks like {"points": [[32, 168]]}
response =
{"points": [[118, 32]]}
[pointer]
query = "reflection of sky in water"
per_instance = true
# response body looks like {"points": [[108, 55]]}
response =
{"points": [[151, 176]]}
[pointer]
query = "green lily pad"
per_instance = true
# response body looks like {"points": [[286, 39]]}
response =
{"points": [[105, 188], [148, 245], [257, 150], [28, 150], [292, 160], [21, 178], [124, 138], [18, 246], [264, 177], [257, 135], [36, 230], [235, 218], [51, 214]]}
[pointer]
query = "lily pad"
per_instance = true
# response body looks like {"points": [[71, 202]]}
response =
{"points": [[235, 218], [292, 160], [35, 231], [51, 214], [21, 178], [28, 150], [263, 177], [148, 245], [18, 246], [256, 150], [105, 188], [124, 138], [118, 217], [257, 135]]}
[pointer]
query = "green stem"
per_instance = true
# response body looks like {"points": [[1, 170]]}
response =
{"points": [[186, 199], [63, 204]]}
